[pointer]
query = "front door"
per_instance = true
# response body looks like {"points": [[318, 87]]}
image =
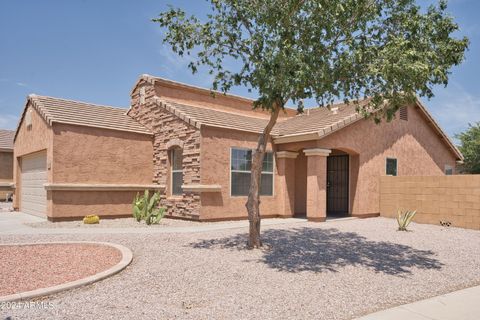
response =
{"points": [[337, 185]]}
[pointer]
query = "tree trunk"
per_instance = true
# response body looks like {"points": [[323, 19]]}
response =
{"points": [[253, 202]]}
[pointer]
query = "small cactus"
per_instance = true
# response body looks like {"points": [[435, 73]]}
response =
{"points": [[146, 208], [91, 219]]}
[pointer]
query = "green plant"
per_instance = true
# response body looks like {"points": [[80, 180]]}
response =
{"points": [[146, 208], [91, 219], [404, 218]]}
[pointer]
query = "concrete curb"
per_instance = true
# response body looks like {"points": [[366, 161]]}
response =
{"points": [[127, 257]]}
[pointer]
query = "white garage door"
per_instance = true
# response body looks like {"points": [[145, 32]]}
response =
{"points": [[33, 196]]}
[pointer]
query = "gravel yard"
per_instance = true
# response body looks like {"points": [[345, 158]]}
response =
{"points": [[26, 268], [332, 270], [6, 206], [120, 223]]}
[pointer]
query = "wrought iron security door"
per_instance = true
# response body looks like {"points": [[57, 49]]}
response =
{"points": [[337, 185]]}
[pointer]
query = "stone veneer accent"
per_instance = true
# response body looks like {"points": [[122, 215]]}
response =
{"points": [[168, 128]]}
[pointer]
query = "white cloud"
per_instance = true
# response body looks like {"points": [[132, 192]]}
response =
{"points": [[455, 108], [21, 84], [8, 121]]}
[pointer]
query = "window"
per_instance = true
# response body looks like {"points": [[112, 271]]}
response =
{"points": [[391, 167], [241, 164], [404, 113], [177, 173], [448, 170]]}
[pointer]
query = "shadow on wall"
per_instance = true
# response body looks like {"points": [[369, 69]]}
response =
{"points": [[319, 250]]}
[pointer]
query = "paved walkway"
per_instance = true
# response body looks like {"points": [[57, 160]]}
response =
{"points": [[459, 305]]}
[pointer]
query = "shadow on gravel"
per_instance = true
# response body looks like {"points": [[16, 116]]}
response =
{"points": [[317, 250]]}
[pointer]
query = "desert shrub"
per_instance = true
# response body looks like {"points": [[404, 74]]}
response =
{"points": [[91, 219], [404, 218]]}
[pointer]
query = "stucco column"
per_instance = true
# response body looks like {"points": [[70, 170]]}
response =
{"points": [[317, 183], [286, 179]]}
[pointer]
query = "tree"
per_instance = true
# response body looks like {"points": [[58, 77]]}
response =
{"points": [[470, 148], [387, 50]]}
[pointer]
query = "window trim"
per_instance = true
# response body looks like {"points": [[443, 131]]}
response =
{"points": [[172, 171], [240, 171], [396, 166]]}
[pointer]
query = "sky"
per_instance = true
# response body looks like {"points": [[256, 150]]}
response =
{"points": [[95, 50]]}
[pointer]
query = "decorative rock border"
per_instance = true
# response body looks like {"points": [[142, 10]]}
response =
{"points": [[127, 257]]}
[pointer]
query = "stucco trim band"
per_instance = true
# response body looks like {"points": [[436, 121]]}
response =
{"points": [[317, 152], [286, 154], [101, 187], [8, 185], [202, 188]]}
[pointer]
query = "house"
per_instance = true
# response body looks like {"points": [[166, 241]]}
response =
{"points": [[195, 148], [6, 164], [74, 159], [323, 162]]}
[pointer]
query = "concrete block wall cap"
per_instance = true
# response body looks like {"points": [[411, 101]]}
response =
{"points": [[127, 257], [202, 187], [317, 152], [286, 154]]}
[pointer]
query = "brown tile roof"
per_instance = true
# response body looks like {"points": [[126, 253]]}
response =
{"points": [[319, 120], [6, 139], [84, 114], [313, 124], [198, 116]]}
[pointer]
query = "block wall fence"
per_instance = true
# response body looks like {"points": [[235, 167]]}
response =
{"points": [[455, 198]]}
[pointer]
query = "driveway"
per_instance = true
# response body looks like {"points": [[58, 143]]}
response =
{"points": [[334, 270]]}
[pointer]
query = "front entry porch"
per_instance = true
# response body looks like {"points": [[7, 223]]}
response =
{"points": [[316, 183]]}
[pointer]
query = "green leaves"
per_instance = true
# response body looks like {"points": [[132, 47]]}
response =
{"points": [[470, 148], [146, 208], [388, 50]]}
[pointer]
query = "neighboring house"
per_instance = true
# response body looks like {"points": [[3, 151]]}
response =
{"points": [[196, 149], [74, 159], [6, 164]]}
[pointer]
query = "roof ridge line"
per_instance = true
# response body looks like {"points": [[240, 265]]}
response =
{"points": [[33, 95]]}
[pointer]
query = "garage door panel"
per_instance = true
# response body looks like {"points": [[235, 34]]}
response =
{"points": [[34, 175]]}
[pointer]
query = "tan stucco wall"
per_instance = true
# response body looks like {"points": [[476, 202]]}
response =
{"points": [[215, 169], [415, 144], [31, 140], [6, 172], [94, 155], [69, 205], [454, 199], [97, 156]]}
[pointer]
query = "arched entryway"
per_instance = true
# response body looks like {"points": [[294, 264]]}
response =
{"points": [[334, 174]]}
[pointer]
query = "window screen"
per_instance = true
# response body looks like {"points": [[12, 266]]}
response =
{"points": [[391, 167], [241, 164], [177, 172]]}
